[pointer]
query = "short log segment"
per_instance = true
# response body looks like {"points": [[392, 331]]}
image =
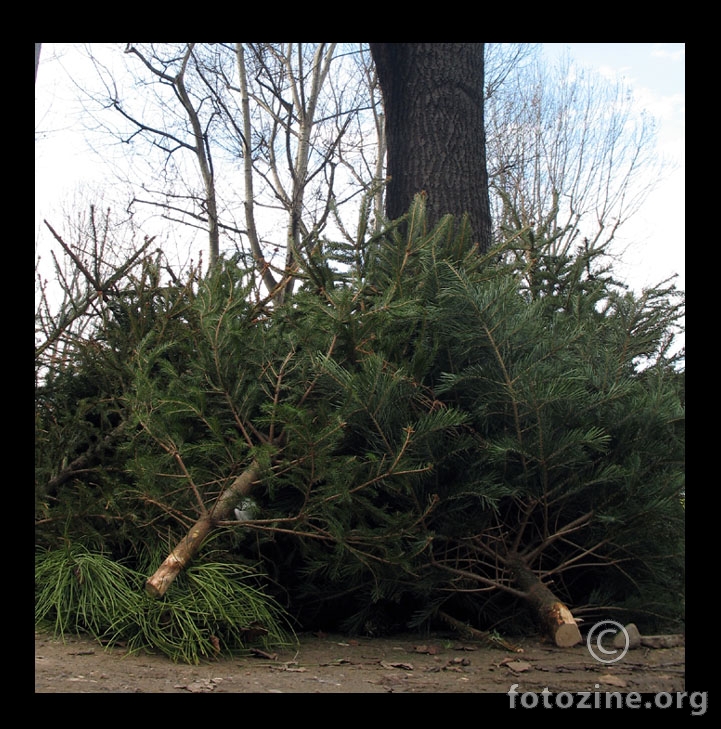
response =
{"points": [[554, 617], [157, 585], [663, 641]]}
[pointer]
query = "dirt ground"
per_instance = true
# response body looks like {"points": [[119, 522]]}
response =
{"points": [[337, 664]]}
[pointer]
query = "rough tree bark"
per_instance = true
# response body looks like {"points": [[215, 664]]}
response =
{"points": [[433, 99]]}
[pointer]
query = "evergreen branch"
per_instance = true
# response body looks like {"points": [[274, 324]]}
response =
{"points": [[172, 450], [311, 386], [216, 349], [378, 479], [531, 554], [466, 574], [164, 507], [179, 460], [277, 390], [489, 335], [81, 464]]}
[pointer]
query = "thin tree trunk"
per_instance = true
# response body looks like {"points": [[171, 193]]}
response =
{"points": [[306, 109], [262, 265], [553, 616], [202, 152], [157, 585]]}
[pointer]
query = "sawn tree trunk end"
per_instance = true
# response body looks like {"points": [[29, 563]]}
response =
{"points": [[553, 616]]}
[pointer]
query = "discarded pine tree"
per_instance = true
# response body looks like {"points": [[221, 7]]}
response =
{"points": [[428, 429]]}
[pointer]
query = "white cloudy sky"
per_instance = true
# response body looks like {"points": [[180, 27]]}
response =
{"points": [[653, 242], [656, 73]]}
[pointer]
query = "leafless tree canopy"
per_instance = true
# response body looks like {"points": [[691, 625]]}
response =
{"points": [[265, 148], [568, 158]]}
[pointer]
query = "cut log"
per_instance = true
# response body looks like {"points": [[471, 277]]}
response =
{"points": [[663, 641], [560, 625], [554, 617], [157, 585]]}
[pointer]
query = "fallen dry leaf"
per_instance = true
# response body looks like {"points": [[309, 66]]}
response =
{"points": [[430, 650], [519, 666], [404, 666], [613, 680], [257, 653], [201, 686]]}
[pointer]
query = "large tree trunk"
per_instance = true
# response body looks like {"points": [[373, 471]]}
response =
{"points": [[188, 546], [433, 99], [554, 617]]}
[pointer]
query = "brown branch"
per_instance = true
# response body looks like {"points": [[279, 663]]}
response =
{"points": [[98, 288], [483, 635], [82, 463], [578, 523], [480, 578]]}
